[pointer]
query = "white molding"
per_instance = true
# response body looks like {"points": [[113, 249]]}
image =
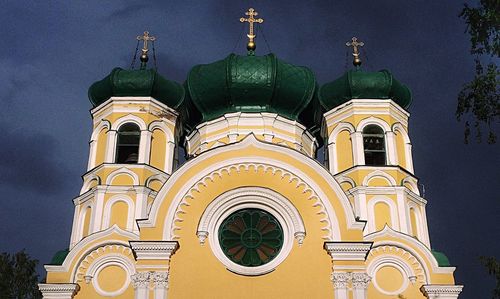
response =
{"points": [[396, 262], [319, 195], [407, 144], [251, 197], [58, 290], [269, 125], [372, 120], [154, 250], [129, 118], [169, 143], [93, 144], [348, 251], [441, 291]]}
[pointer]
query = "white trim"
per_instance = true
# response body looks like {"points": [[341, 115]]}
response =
{"points": [[371, 227], [372, 120], [102, 262], [169, 143], [407, 144], [319, 196], [58, 290], [144, 141], [87, 180], [441, 291], [108, 210], [251, 197], [347, 251], [122, 170], [129, 118], [154, 250]]}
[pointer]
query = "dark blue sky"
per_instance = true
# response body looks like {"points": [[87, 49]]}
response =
{"points": [[53, 50]]}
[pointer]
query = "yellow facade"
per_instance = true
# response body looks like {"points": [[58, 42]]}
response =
{"points": [[149, 230]]}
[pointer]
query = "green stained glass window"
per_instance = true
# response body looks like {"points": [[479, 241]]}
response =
{"points": [[251, 237]]}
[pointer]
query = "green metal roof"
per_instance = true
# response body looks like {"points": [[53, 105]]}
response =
{"points": [[142, 82], [59, 257], [357, 84], [441, 258], [250, 84]]}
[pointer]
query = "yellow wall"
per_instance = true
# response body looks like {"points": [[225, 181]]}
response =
{"points": [[101, 147], [413, 218], [400, 145], [86, 222], [158, 149], [382, 215], [344, 151], [119, 214]]}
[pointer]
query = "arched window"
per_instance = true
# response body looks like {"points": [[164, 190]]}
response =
{"points": [[374, 145], [127, 147]]}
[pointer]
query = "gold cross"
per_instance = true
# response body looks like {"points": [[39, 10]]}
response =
{"points": [[355, 52], [251, 13], [145, 38]]}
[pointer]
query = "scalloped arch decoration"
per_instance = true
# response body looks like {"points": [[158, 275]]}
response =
{"points": [[331, 229]]}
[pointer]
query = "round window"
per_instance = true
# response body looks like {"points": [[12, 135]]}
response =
{"points": [[251, 237]]}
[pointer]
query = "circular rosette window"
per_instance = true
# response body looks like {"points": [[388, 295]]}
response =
{"points": [[251, 237]]}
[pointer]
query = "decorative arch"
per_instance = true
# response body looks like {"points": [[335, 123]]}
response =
{"points": [[372, 120], [103, 124], [169, 144], [371, 212], [412, 182], [398, 127], [418, 217], [160, 125], [379, 174], [86, 208], [129, 118], [120, 171], [343, 126], [108, 210], [345, 179], [275, 166], [88, 181]]}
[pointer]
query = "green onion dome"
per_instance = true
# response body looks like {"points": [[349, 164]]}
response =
{"points": [[249, 84], [357, 84], [142, 83]]}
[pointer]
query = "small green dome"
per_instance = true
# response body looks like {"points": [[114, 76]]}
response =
{"points": [[143, 82], [441, 258], [250, 84], [357, 84]]}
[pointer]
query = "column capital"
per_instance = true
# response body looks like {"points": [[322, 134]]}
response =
{"points": [[348, 251], [153, 250], [58, 290], [341, 280], [140, 279], [360, 280], [444, 291], [160, 280]]}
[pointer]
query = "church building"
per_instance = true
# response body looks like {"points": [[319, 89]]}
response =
{"points": [[250, 213]]}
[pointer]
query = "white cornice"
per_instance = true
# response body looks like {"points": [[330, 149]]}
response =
{"points": [[154, 250], [58, 290], [348, 251], [438, 290]]}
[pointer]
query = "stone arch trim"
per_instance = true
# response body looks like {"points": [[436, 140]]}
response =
{"points": [[88, 180], [372, 120], [379, 173], [276, 166], [176, 212], [103, 124], [122, 170], [343, 126], [160, 125], [129, 118]]}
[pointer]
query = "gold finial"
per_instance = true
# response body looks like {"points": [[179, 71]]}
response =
{"points": [[251, 13], [145, 38], [355, 52]]}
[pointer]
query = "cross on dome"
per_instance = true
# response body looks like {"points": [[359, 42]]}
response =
{"points": [[251, 13], [355, 52]]}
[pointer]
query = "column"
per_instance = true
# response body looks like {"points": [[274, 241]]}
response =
{"points": [[109, 156], [441, 291], [360, 283], [140, 282], [340, 284], [58, 290], [160, 284], [391, 148], [144, 147]]}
